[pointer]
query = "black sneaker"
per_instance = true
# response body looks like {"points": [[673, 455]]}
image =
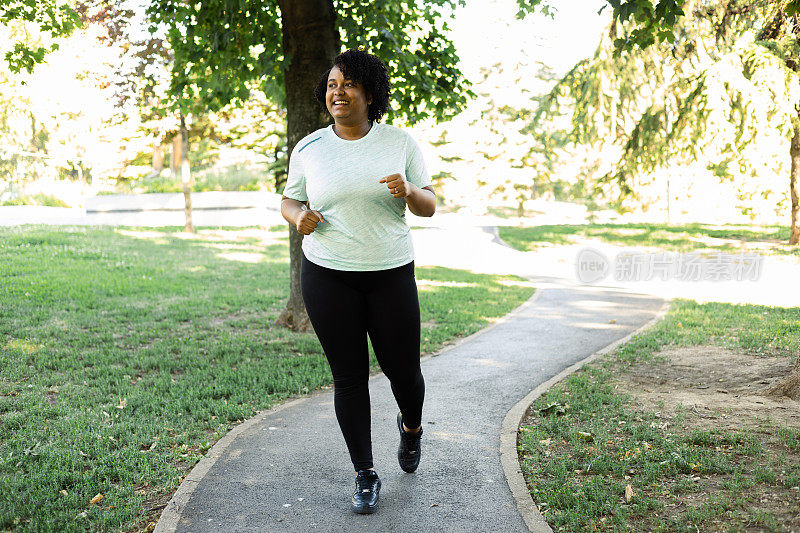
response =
{"points": [[368, 487], [409, 451]]}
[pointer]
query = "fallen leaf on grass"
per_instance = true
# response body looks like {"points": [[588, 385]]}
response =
{"points": [[628, 492], [97, 498], [553, 409]]}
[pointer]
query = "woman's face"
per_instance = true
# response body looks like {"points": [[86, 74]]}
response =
{"points": [[346, 100]]}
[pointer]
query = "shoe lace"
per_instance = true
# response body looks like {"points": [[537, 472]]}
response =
{"points": [[364, 482]]}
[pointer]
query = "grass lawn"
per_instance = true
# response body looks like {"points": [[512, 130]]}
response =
{"points": [[602, 452], [677, 238], [126, 353]]}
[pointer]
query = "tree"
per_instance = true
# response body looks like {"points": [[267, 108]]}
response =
{"points": [[221, 46], [50, 17], [705, 93], [725, 89], [497, 163], [43, 132]]}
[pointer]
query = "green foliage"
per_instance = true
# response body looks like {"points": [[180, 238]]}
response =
{"points": [[792, 8], [648, 24], [36, 199], [221, 46], [234, 178], [218, 47], [421, 59], [49, 16], [713, 93]]}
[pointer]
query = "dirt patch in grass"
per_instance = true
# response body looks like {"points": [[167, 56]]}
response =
{"points": [[708, 397], [716, 387], [712, 388]]}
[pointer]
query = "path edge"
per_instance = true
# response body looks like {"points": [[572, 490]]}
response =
{"points": [[508, 430], [171, 515]]}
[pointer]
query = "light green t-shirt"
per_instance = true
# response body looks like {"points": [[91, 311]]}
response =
{"points": [[365, 226]]}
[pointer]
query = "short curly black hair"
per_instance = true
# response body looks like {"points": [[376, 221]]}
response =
{"points": [[365, 69]]}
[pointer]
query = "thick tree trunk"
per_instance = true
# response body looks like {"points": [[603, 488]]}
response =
{"points": [[186, 176], [311, 41], [794, 150], [788, 386]]}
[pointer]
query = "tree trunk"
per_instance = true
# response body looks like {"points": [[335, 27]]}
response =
{"points": [[772, 29], [794, 151], [175, 156], [311, 41], [186, 175], [158, 159], [788, 386]]}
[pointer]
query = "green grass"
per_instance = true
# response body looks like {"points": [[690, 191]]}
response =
{"points": [[233, 178], [36, 199], [578, 463], [126, 353], [676, 238]]}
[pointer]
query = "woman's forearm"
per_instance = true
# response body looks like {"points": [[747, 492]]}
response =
{"points": [[290, 209], [421, 202]]}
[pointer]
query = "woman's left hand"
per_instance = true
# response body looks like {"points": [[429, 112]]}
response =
{"points": [[398, 186]]}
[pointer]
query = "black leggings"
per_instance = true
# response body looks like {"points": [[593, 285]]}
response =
{"points": [[344, 306]]}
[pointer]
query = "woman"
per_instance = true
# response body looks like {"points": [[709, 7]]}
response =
{"points": [[347, 191]]}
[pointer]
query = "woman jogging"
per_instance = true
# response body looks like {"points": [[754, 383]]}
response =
{"points": [[347, 192]]}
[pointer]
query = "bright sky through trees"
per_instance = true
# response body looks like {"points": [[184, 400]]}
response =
{"points": [[487, 31]]}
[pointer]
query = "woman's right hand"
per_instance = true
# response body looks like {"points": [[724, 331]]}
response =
{"points": [[307, 221]]}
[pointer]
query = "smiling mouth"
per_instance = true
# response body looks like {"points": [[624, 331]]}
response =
{"points": [[339, 102]]}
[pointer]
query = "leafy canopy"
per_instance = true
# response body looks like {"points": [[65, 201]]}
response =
{"points": [[221, 46], [51, 17]]}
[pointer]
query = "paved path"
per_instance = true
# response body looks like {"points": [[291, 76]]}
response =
{"points": [[288, 470]]}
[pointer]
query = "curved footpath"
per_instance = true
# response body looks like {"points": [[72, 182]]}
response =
{"points": [[287, 469]]}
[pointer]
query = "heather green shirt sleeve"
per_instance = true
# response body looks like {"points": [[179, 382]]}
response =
{"points": [[296, 182], [416, 171]]}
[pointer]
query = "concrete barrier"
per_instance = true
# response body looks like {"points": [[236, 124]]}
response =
{"points": [[132, 203]]}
